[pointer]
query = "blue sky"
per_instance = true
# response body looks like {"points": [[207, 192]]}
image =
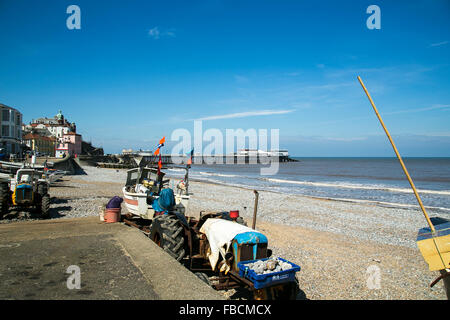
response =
{"points": [[137, 70]]}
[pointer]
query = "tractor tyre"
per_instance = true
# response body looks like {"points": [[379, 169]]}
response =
{"points": [[4, 195], [42, 189], [45, 205], [168, 233]]}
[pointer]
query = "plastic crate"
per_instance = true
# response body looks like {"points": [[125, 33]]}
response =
{"points": [[268, 279]]}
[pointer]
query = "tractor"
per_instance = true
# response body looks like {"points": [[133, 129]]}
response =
{"points": [[27, 190], [189, 242], [214, 246]]}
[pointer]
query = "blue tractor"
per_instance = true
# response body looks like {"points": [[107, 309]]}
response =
{"points": [[27, 190], [190, 241]]}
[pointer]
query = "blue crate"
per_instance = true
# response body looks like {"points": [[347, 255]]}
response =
{"points": [[268, 279]]}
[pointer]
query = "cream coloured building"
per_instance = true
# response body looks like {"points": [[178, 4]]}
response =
{"points": [[10, 129]]}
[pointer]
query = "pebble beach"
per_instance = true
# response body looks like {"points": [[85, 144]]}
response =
{"points": [[346, 250]]}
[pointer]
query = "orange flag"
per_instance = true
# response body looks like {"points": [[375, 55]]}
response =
{"points": [[161, 143]]}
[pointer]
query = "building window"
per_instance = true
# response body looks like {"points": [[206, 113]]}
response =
{"points": [[5, 115], [18, 119], [5, 131]]}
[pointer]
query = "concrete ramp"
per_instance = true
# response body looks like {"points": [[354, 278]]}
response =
{"points": [[69, 164], [115, 262]]}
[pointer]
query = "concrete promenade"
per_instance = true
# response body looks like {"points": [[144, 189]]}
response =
{"points": [[115, 261]]}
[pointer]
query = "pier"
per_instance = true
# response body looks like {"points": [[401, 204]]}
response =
{"points": [[133, 160]]}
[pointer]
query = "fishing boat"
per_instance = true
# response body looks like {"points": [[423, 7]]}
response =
{"points": [[143, 188]]}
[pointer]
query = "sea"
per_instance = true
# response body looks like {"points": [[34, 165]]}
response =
{"points": [[380, 181]]}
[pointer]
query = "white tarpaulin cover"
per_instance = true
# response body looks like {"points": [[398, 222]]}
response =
{"points": [[220, 233]]}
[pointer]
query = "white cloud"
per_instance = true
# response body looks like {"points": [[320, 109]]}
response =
{"points": [[156, 33], [246, 114], [438, 44], [433, 107]]}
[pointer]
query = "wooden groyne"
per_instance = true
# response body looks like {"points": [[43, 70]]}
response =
{"points": [[112, 165]]}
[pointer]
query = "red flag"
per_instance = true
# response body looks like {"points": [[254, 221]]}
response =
{"points": [[161, 143], [159, 165]]}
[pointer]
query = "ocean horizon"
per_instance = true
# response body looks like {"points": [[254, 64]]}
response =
{"points": [[377, 180]]}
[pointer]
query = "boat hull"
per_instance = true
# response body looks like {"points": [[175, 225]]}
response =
{"points": [[136, 204]]}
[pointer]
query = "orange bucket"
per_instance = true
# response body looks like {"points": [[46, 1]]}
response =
{"points": [[112, 215]]}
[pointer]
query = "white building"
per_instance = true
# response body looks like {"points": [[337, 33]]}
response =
{"points": [[255, 152], [10, 129], [278, 153], [127, 151], [56, 127]]}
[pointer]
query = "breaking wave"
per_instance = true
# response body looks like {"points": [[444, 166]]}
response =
{"points": [[356, 186], [203, 173]]}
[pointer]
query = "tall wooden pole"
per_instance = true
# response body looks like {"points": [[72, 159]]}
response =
{"points": [[255, 209], [433, 230]]}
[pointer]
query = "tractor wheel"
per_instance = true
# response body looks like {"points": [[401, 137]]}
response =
{"points": [[45, 205], [4, 194], [42, 189], [168, 233]]}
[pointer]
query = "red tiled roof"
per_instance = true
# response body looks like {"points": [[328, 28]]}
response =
{"points": [[31, 136]]}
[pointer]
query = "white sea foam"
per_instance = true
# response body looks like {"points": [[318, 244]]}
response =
{"points": [[383, 203], [217, 174], [379, 203], [357, 186], [176, 170]]}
